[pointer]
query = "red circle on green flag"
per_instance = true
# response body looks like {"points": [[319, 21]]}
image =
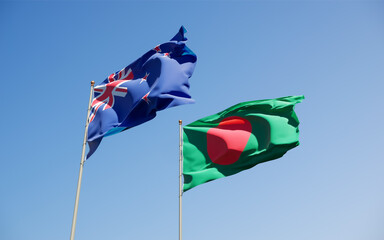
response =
{"points": [[227, 141]]}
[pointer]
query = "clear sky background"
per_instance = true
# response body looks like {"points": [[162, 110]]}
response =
{"points": [[330, 187]]}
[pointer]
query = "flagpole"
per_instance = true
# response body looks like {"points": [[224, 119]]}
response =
{"points": [[180, 176], [81, 165]]}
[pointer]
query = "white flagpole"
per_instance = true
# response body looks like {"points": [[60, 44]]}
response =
{"points": [[180, 176], [81, 166]]}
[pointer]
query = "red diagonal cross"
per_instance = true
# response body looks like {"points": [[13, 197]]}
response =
{"points": [[107, 95], [110, 90]]}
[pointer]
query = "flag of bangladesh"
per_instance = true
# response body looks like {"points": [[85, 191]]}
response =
{"points": [[238, 138]]}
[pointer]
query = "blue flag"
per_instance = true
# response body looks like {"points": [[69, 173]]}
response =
{"points": [[132, 96]]}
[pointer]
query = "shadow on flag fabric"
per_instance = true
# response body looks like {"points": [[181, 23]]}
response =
{"points": [[132, 96], [238, 138]]}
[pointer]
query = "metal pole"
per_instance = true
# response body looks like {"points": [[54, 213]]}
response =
{"points": [[180, 176], [81, 166]]}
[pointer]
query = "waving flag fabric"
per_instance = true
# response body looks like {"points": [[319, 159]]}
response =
{"points": [[132, 96], [239, 138]]}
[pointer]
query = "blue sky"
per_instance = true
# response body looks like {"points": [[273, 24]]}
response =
{"points": [[330, 187]]}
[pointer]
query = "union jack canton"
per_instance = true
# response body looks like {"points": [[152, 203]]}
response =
{"points": [[132, 96]]}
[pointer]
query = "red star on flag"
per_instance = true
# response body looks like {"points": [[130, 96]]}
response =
{"points": [[145, 98], [157, 48], [144, 78]]}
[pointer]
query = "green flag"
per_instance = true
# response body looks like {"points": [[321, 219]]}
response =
{"points": [[238, 138]]}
